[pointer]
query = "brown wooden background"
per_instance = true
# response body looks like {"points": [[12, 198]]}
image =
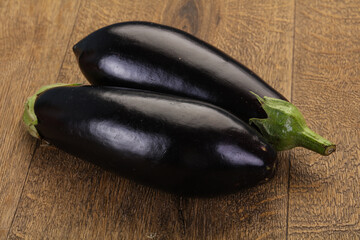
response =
{"points": [[307, 49]]}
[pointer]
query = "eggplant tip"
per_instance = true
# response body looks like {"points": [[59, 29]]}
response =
{"points": [[29, 117], [78, 49]]}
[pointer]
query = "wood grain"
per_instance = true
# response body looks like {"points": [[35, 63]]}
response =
{"points": [[324, 192], [257, 213], [308, 50], [33, 37], [103, 206], [78, 200]]}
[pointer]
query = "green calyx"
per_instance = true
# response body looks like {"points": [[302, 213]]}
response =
{"points": [[29, 116], [285, 127]]}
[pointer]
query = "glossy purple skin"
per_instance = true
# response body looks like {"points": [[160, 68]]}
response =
{"points": [[182, 146], [162, 59]]}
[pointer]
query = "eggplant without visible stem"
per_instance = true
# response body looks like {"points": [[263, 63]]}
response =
{"points": [[179, 145], [154, 57]]}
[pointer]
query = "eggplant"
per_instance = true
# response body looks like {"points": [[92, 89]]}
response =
{"points": [[178, 145], [158, 58]]}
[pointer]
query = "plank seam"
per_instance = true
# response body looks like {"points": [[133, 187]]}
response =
{"points": [[38, 142], [67, 45], [291, 99], [23, 187], [181, 216]]}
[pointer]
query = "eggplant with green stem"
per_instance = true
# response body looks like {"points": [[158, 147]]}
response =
{"points": [[179, 145], [158, 58]]}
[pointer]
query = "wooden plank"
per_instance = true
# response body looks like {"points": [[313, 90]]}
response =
{"points": [[324, 192], [258, 34], [3, 233], [33, 36], [65, 198]]}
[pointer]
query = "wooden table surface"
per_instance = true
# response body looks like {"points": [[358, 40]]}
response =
{"points": [[309, 50]]}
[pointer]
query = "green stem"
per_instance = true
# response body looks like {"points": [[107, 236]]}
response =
{"points": [[29, 116], [313, 141], [285, 127]]}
